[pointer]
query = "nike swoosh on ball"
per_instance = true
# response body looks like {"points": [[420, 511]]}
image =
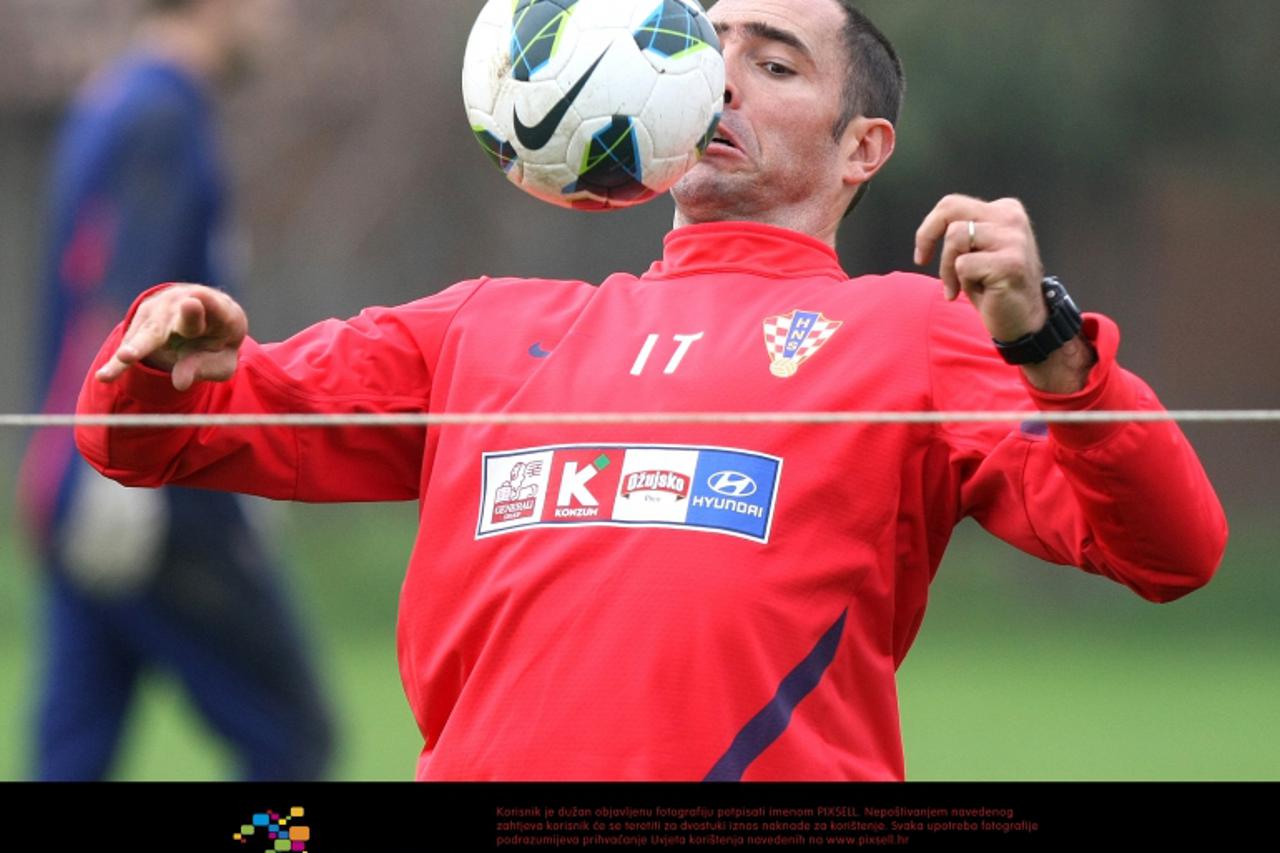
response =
{"points": [[536, 137]]}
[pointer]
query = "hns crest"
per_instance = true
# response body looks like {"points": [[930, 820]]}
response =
{"points": [[792, 339], [709, 489]]}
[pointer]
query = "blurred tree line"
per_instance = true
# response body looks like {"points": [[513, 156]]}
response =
{"points": [[1080, 104]]}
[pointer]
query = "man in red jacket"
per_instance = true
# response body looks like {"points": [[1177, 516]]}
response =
{"points": [[710, 601]]}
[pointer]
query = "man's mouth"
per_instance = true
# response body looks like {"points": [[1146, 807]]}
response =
{"points": [[724, 137]]}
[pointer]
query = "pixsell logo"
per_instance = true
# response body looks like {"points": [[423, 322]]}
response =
{"points": [[270, 832]]}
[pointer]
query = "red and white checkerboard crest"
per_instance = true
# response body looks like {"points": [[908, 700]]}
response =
{"points": [[792, 339]]}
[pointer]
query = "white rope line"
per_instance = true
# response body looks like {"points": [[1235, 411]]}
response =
{"points": [[591, 418]]}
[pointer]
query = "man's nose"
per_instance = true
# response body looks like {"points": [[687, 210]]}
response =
{"points": [[730, 53]]}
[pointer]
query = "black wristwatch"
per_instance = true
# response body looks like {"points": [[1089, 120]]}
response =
{"points": [[1064, 324]]}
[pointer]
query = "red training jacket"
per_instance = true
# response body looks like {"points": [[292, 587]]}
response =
{"points": [[682, 602]]}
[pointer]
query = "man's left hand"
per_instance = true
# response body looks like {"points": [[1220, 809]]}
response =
{"points": [[989, 253], [997, 266]]}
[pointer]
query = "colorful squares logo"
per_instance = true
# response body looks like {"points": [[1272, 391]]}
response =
{"points": [[281, 834]]}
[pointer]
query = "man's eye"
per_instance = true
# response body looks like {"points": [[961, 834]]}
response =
{"points": [[777, 69]]}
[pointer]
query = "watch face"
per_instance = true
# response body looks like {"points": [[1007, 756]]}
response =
{"points": [[1056, 294], [1053, 289]]}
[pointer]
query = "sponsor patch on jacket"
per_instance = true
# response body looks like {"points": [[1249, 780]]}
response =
{"points": [[711, 489]]}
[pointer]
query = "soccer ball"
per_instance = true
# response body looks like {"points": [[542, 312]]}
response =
{"points": [[593, 104]]}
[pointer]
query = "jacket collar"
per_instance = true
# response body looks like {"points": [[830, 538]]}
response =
{"points": [[749, 247]]}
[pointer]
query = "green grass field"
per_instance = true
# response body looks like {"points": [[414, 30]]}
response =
{"points": [[347, 565], [1022, 671]]}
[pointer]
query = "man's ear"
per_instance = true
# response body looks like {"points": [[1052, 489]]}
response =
{"points": [[867, 145]]}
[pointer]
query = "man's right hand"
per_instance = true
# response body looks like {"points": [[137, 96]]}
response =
{"points": [[190, 330]]}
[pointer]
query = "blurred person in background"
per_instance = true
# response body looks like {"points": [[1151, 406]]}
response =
{"points": [[175, 580]]}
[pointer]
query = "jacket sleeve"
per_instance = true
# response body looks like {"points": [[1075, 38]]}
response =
{"points": [[378, 362], [1129, 501]]}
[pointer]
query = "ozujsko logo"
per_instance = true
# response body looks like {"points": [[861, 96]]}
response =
{"points": [[656, 481]]}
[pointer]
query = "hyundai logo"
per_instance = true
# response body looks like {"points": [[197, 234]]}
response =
{"points": [[732, 483]]}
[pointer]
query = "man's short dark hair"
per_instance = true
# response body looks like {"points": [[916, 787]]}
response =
{"points": [[874, 82]]}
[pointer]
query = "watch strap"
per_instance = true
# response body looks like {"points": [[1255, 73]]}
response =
{"points": [[1064, 324]]}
